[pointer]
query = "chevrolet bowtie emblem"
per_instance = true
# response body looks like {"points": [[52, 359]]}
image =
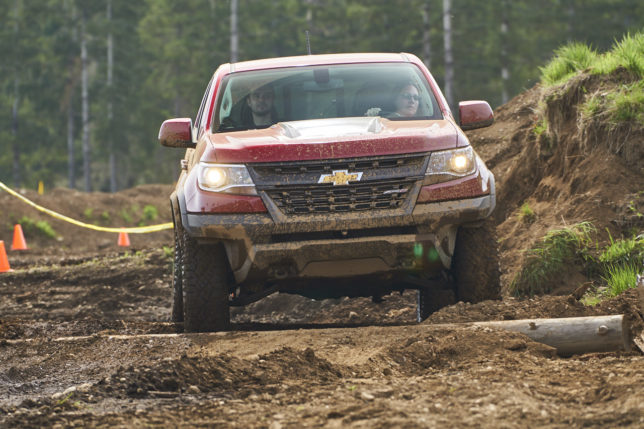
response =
{"points": [[340, 177]]}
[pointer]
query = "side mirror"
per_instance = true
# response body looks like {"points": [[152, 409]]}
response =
{"points": [[475, 114], [176, 133]]}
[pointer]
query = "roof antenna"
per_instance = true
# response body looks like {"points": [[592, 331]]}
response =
{"points": [[308, 42]]}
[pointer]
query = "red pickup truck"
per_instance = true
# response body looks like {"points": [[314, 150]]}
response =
{"points": [[329, 176]]}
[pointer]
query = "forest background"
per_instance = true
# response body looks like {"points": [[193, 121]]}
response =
{"points": [[85, 84]]}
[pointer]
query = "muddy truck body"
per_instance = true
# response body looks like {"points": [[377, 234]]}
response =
{"points": [[329, 176]]}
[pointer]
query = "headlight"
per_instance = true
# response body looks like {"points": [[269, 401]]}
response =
{"points": [[227, 178], [450, 164]]}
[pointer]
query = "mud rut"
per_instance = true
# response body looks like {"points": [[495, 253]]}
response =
{"points": [[84, 341]]}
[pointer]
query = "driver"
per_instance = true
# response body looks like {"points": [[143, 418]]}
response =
{"points": [[260, 104]]}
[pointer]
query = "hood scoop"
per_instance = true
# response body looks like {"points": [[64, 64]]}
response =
{"points": [[330, 128]]}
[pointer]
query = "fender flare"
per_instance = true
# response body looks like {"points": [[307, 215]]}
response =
{"points": [[178, 206]]}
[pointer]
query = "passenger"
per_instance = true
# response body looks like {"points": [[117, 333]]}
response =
{"points": [[406, 99], [261, 112]]}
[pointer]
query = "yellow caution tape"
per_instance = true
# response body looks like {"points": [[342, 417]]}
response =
{"points": [[136, 230]]}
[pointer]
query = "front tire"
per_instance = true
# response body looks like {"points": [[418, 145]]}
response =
{"points": [[475, 264], [206, 282], [177, 277]]}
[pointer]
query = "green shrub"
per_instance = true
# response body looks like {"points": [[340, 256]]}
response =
{"points": [[627, 53], [592, 106], [40, 228], [150, 213], [88, 213], [540, 127], [127, 217], [624, 252], [558, 248], [572, 58], [526, 214], [619, 278], [627, 104], [568, 60]]}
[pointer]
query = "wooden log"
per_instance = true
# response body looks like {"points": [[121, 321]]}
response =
{"points": [[572, 335]]}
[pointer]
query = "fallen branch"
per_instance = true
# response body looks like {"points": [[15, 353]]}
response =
{"points": [[572, 335]]}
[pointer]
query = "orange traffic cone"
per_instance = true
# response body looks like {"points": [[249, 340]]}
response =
{"points": [[19, 242], [4, 262], [124, 239]]}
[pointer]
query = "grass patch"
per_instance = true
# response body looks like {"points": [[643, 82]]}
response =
{"points": [[150, 213], [627, 53], [126, 216], [623, 105], [614, 268], [168, 252], [40, 228], [558, 248], [526, 214], [568, 61], [620, 278], [575, 57], [591, 299], [540, 127], [624, 252], [627, 104], [88, 213], [592, 106]]}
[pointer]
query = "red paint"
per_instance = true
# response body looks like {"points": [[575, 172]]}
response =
{"points": [[219, 74], [270, 144], [466, 187], [176, 132], [475, 114], [316, 60]]}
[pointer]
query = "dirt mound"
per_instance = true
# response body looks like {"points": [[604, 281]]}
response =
{"points": [[566, 167], [455, 348], [128, 285]]}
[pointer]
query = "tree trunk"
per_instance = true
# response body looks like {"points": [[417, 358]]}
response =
{"points": [[71, 150], [17, 180], [85, 105], [449, 60], [234, 35], [505, 70], [14, 133], [110, 65], [427, 49], [570, 22], [70, 145], [572, 335]]}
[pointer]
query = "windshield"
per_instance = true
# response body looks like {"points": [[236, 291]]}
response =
{"points": [[258, 99]]}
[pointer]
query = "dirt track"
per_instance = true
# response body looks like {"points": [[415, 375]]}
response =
{"points": [[85, 338], [290, 362]]}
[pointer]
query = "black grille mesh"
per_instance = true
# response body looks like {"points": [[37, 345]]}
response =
{"points": [[327, 198]]}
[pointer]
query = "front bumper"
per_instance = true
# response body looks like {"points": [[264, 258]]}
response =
{"points": [[338, 245]]}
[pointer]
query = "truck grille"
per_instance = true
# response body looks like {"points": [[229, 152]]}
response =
{"points": [[385, 183], [316, 167], [326, 198]]}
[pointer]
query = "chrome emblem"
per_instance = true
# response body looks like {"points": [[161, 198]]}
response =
{"points": [[340, 177]]}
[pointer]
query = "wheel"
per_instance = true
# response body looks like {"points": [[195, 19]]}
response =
{"points": [[430, 299], [205, 282], [177, 276], [475, 264]]}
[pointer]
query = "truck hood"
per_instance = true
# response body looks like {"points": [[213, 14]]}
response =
{"points": [[329, 139]]}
